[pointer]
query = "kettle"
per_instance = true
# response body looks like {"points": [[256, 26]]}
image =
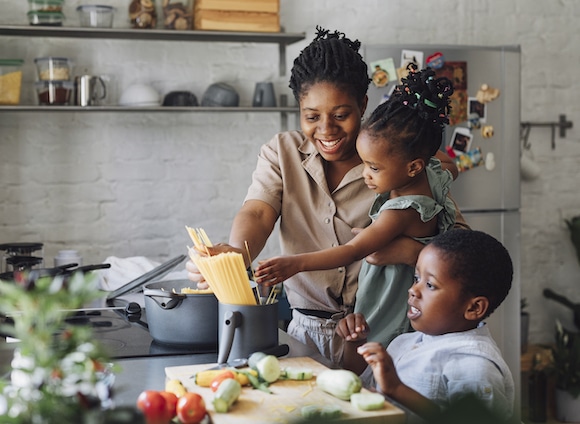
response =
{"points": [[89, 90]]}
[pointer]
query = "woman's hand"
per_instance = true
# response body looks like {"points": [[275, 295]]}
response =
{"points": [[193, 272]]}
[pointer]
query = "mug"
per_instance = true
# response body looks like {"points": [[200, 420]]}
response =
{"points": [[87, 89], [264, 95], [245, 329]]}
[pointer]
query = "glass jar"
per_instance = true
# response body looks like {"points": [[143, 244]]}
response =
{"points": [[177, 14], [142, 14]]}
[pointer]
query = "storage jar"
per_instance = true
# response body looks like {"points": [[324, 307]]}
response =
{"points": [[10, 81]]}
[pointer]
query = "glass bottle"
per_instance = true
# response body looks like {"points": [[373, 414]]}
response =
{"points": [[177, 14], [142, 14]]}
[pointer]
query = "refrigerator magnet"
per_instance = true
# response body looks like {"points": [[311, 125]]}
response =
{"points": [[411, 56], [490, 161], [469, 160], [486, 94], [477, 110], [436, 60], [461, 140], [487, 131], [383, 72]]}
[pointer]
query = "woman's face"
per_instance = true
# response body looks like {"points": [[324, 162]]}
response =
{"points": [[331, 118]]}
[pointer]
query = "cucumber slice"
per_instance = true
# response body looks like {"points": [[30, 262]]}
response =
{"points": [[310, 412], [368, 401], [326, 412], [255, 358], [294, 373], [269, 368]]}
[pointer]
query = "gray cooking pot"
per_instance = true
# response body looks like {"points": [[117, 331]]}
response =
{"points": [[181, 319]]}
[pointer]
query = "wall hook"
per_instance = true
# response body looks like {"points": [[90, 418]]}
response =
{"points": [[562, 125]]}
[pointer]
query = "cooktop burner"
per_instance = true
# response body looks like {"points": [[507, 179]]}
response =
{"points": [[126, 335]]}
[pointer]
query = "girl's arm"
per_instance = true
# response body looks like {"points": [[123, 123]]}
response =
{"points": [[389, 225]]}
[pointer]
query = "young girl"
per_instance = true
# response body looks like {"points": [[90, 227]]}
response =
{"points": [[461, 278], [397, 146]]}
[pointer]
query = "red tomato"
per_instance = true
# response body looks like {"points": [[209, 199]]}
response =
{"points": [[219, 378], [152, 403], [191, 408], [170, 404]]}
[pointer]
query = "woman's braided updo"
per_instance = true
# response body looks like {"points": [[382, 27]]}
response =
{"points": [[332, 58], [413, 118]]}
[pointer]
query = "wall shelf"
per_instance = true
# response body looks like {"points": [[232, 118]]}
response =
{"points": [[156, 109]]}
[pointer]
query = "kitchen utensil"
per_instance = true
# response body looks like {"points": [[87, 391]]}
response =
{"points": [[89, 90], [96, 15], [175, 318], [53, 68], [54, 92], [264, 95], [137, 283], [139, 95], [220, 94], [550, 294], [180, 98], [278, 351], [245, 329]]}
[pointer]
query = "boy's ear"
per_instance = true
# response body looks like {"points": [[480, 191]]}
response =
{"points": [[477, 308], [416, 166]]}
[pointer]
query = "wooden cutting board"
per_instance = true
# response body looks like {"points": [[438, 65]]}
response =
{"points": [[286, 401]]}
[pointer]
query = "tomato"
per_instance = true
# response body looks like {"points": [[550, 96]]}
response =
{"points": [[191, 408], [219, 378], [170, 404], [152, 403]]}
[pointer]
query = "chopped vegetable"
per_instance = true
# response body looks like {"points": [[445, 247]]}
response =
{"points": [[292, 373], [269, 368], [227, 393], [339, 383], [326, 412], [204, 378], [176, 387], [368, 401], [254, 358]]}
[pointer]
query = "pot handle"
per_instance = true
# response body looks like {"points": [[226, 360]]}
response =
{"points": [[160, 297], [231, 321]]}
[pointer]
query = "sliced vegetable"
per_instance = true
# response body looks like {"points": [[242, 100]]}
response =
{"points": [[339, 383], [215, 383], [368, 401], [255, 358], [227, 393], [326, 412], [258, 384], [176, 387], [269, 368], [204, 378], [294, 373]]}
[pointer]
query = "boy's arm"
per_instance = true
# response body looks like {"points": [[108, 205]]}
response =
{"points": [[390, 385], [353, 329]]}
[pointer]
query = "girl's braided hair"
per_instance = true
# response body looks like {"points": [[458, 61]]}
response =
{"points": [[333, 58], [413, 118]]}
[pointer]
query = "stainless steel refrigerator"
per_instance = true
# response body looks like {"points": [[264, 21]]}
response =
{"points": [[484, 130]]}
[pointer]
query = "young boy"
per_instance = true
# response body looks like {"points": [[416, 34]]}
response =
{"points": [[461, 277]]}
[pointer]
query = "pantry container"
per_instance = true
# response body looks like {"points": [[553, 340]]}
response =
{"points": [[53, 68], [96, 16], [54, 92], [50, 6], [36, 17], [10, 81]]}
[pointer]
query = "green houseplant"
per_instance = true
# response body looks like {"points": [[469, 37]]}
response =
{"points": [[59, 373], [565, 368]]}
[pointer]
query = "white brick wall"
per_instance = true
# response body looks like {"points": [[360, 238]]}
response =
{"points": [[127, 184]]}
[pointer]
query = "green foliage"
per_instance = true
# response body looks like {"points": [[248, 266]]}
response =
{"points": [[55, 363], [565, 365]]}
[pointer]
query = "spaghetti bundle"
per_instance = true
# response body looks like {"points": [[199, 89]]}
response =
{"points": [[225, 272]]}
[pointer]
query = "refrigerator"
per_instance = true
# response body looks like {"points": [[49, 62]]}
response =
{"points": [[484, 136]]}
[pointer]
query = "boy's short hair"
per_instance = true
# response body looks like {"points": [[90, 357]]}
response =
{"points": [[479, 262]]}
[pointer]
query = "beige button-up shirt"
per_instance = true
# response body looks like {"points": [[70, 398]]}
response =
{"points": [[290, 177]]}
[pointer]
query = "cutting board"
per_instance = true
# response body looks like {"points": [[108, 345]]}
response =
{"points": [[286, 400]]}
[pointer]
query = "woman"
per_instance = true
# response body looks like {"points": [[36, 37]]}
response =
{"points": [[312, 181]]}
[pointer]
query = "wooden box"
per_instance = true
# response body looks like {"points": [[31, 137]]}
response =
{"points": [[237, 15]]}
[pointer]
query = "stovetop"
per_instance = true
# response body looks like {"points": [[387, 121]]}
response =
{"points": [[125, 335]]}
